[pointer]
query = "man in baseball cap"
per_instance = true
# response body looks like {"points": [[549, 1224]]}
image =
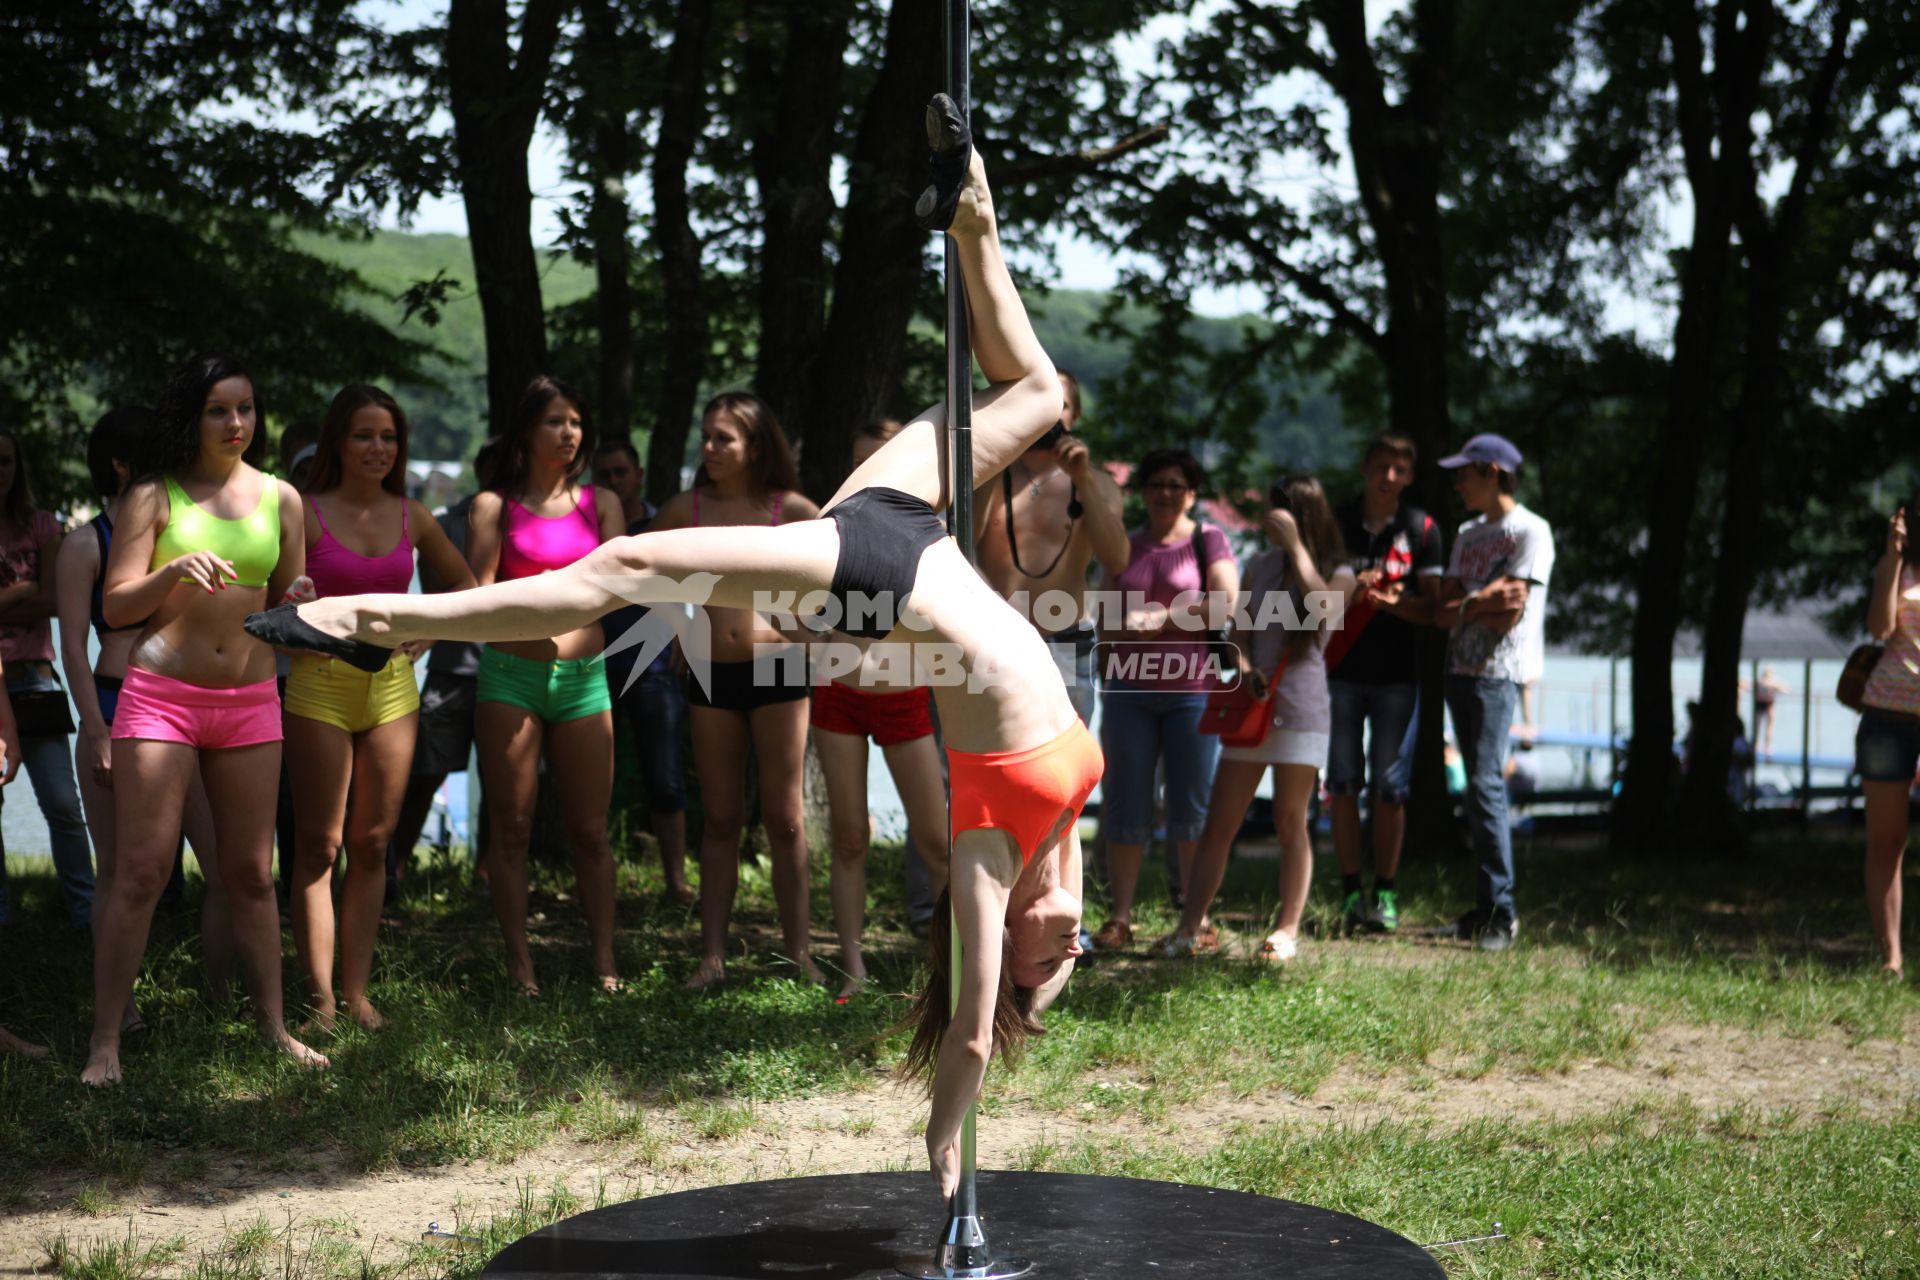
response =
{"points": [[1494, 598]]}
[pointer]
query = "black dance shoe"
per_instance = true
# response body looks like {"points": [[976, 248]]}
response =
{"points": [[282, 627], [952, 145]]}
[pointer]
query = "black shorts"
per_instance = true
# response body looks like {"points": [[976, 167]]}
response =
{"points": [[445, 741], [743, 686]]}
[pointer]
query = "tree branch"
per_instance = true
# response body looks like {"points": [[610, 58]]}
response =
{"points": [[1289, 38], [1085, 160], [1813, 138]]}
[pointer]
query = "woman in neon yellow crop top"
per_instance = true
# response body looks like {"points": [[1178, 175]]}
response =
{"points": [[203, 539]]}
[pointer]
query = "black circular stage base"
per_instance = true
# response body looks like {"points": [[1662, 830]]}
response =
{"points": [[861, 1226]]}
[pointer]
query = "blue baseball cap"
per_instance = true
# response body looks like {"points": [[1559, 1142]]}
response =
{"points": [[1491, 448]]}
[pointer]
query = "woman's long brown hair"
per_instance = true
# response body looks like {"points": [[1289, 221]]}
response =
{"points": [[1320, 535], [1014, 1021]]}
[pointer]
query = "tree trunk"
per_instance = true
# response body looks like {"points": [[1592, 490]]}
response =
{"points": [[793, 145], [682, 116], [882, 251], [608, 219], [1642, 817], [1399, 159], [495, 103]]}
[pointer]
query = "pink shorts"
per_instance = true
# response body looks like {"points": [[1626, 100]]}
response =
{"points": [[162, 709]]}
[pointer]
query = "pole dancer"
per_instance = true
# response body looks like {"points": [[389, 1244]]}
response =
{"points": [[1022, 764]]}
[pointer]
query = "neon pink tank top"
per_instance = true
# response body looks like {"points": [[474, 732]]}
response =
{"points": [[538, 544], [339, 570]]}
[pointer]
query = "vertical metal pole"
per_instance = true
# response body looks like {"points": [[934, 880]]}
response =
{"points": [[963, 1250], [1613, 722]]}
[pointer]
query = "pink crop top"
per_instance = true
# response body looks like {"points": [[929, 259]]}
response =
{"points": [[538, 544], [339, 570]]}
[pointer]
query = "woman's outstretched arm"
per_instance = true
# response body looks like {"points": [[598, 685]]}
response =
{"points": [[980, 891]]}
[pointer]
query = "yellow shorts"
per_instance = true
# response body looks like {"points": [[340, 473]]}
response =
{"points": [[332, 692]]}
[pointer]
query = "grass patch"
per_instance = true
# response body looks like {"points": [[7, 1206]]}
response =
{"points": [[1613, 949]]}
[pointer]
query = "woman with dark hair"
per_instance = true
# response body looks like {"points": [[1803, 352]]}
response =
{"points": [[538, 517], [1298, 591], [95, 687], [29, 547], [203, 538], [1887, 745], [1022, 763], [754, 698], [1155, 685], [350, 733]]}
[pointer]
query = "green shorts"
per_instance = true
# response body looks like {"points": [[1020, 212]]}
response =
{"points": [[563, 689]]}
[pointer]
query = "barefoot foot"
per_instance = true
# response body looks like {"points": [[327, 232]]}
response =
{"points": [[712, 972], [103, 1067], [364, 1015], [300, 1053], [855, 984]]}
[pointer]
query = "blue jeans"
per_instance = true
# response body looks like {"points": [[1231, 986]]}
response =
{"points": [[656, 710], [48, 762], [1075, 663], [1482, 716], [1394, 710], [1142, 727]]}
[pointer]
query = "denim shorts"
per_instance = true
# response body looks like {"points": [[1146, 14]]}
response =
{"points": [[1384, 766], [1886, 748]]}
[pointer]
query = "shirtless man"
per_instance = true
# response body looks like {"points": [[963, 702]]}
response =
{"points": [[1065, 511]]}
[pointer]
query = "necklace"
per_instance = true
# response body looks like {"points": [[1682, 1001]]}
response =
{"points": [[1034, 483]]}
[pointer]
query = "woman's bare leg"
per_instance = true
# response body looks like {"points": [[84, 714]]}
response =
{"points": [[1886, 849], [1292, 792], [720, 742], [1234, 785], [381, 759], [241, 783], [780, 748], [1023, 398], [320, 768], [915, 767], [581, 754], [843, 760], [216, 919], [508, 738], [96, 802], [149, 782]]}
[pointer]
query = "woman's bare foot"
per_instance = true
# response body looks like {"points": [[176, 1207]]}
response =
{"points": [[11, 1043], [103, 1066], [610, 984], [300, 1053], [321, 1021], [974, 216], [684, 894], [809, 972], [855, 984], [364, 1015], [712, 972]]}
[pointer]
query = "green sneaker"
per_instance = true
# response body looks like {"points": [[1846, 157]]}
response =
{"points": [[1356, 911], [1385, 916]]}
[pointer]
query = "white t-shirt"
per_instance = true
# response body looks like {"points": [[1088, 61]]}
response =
{"points": [[1516, 545]]}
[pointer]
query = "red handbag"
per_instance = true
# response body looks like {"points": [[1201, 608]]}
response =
{"points": [[1236, 716]]}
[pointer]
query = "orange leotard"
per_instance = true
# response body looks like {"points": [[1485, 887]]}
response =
{"points": [[1025, 793]]}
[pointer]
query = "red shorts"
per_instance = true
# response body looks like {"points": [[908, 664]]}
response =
{"points": [[885, 715]]}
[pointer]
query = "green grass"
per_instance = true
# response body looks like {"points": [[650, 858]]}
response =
{"points": [[1612, 948]]}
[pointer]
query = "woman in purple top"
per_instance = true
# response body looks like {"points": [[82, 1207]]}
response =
{"points": [[1156, 680]]}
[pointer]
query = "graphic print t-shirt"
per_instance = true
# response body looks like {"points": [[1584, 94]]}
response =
{"points": [[1372, 646], [1516, 545]]}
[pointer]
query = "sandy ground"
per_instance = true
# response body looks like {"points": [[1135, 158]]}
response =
{"points": [[384, 1214]]}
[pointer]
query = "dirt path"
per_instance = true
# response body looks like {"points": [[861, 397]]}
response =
{"points": [[384, 1214]]}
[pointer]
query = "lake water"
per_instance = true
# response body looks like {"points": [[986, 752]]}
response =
{"points": [[1578, 696]]}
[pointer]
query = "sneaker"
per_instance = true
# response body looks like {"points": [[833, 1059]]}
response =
{"points": [[1500, 932], [1466, 928], [1385, 915], [1355, 911]]}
